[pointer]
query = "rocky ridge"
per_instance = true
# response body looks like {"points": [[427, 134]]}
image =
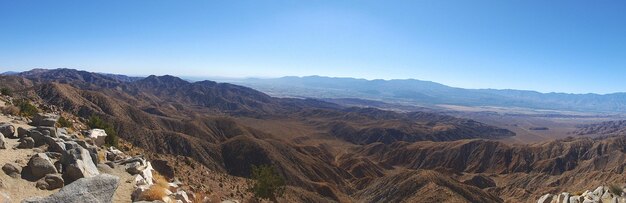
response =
{"points": [[602, 194]]}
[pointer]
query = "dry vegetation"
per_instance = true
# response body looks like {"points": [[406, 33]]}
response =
{"points": [[154, 193], [10, 110]]}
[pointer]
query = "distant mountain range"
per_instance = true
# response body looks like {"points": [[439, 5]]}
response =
{"points": [[431, 94], [411, 92]]}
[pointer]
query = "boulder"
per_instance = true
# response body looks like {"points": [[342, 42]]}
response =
{"points": [[22, 132], [57, 146], [599, 191], [133, 168], [547, 198], [38, 137], [61, 132], [45, 119], [77, 163], [40, 165], [147, 173], [96, 189], [139, 180], [7, 130], [576, 199], [26, 143], [93, 150], [113, 154], [98, 136], [3, 144], [50, 131], [50, 182], [136, 195], [182, 196], [54, 155], [11, 170]]}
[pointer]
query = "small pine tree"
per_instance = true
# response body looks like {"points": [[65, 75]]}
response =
{"points": [[268, 183], [64, 123], [26, 108], [616, 190], [6, 91]]}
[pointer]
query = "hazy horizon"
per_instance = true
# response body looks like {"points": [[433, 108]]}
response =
{"points": [[233, 79]]}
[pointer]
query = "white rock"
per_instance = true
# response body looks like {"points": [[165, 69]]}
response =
{"points": [[139, 180], [147, 173], [576, 199], [98, 136], [182, 196], [547, 198]]}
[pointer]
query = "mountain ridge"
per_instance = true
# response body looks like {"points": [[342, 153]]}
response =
{"points": [[432, 94]]}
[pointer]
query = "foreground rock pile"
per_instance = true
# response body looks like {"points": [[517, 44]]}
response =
{"points": [[602, 194], [76, 165], [61, 159], [149, 186]]}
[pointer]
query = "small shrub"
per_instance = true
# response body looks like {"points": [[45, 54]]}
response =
{"points": [[26, 108], [268, 183], [160, 180], [616, 190], [153, 193], [10, 110], [111, 140], [64, 123], [6, 91], [101, 157]]}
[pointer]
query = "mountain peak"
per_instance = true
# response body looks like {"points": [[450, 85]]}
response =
{"points": [[164, 81]]}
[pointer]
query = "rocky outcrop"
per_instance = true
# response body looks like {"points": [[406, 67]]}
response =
{"points": [[11, 170], [602, 194], [46, 120], [97, 189], [22, 132], [7, 130], [77, 163], [50, 182], [26, 143], [40, 165], [98, 136]]}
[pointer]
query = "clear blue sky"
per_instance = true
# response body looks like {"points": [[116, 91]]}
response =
{"points": [[546, 45]]}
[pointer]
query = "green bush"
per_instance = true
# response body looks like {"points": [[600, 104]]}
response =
{"points": [[616, 190], [111, 139], [64, 123], [268, 183], [26, 108], [6, 91]]}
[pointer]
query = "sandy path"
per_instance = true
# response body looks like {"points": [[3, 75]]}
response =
{"points": [[125, 187]]}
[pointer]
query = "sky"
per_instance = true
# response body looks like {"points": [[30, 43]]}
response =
{"points": [[548, 46]]}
